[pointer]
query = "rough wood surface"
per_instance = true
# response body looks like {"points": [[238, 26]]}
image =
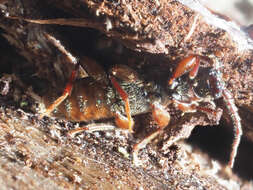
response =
{"points": [[37, 154]]}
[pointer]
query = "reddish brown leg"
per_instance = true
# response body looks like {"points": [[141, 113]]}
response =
{"points": [[69, 86], [184, 106], [66, 93], [190, 63], [120, 120], [162, 118], [192, 107]]}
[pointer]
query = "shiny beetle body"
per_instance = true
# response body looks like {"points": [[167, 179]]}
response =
{"points": [[91, 100], [121, 94]]}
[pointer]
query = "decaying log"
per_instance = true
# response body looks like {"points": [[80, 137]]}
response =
{"points": [[150, 36]]}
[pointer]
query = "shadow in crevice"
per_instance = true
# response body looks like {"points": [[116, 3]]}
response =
{"points": [[217, 141]]}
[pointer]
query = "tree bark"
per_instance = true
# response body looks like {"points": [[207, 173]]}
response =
{"points": [[150, 36]]}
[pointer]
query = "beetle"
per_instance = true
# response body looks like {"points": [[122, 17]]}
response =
{"points": [[122, 92]]}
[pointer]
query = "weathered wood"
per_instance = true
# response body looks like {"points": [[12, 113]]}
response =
{"points": [[44, 155]]}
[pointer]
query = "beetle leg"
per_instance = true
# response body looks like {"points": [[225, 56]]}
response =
{"points": [[190, 63], [69, 86], [143, 144], [237, 125], [123, 122], [120, 119], [160, 115], [193, 107], [65, 94], [185, 106], [91, 128], [162, 118]]}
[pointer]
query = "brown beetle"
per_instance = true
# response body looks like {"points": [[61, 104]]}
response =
{"points": [[121, 94]]}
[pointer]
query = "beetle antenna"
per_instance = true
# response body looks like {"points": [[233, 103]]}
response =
{"points": [[237, 124], [61, 48]]}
